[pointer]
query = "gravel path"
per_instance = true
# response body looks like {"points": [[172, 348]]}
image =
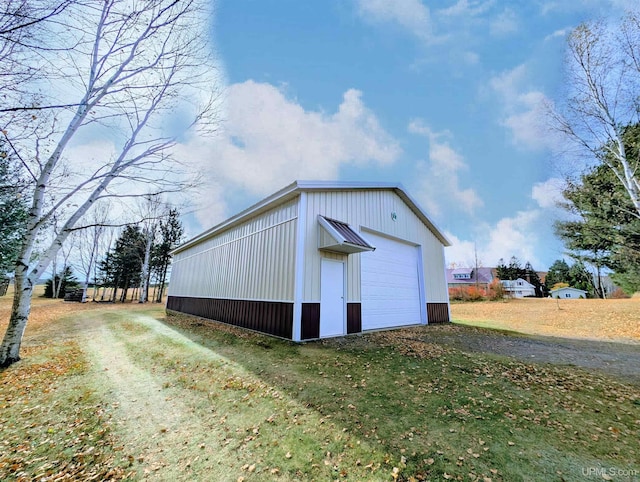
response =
{"points": [[621, 360]]}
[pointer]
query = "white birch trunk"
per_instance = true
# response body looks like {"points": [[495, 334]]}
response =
{"points": [[10, 348], [92, 256], [145, 265]]}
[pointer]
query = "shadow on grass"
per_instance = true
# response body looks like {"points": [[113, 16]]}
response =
{"points": [[612, 358], [433, 411]]}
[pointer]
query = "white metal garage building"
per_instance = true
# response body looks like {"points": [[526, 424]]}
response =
{"points": [[315, 260]]}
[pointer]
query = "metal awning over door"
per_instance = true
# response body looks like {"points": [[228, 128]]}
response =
{"points": [[339, 237]]}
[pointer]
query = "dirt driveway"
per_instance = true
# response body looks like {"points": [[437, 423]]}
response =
{"points": [[621, 360]]}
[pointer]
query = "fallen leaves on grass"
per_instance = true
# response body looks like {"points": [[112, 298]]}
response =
{"points": [[35, 423], [407, 344]]}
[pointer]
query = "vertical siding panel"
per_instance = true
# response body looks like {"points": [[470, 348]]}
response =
{"points": [[246, 262], [274, 281]]}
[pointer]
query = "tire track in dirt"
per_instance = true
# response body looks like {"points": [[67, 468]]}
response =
{"points": [[161, 435]]}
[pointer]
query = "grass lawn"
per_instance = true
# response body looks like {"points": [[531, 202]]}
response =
{"points": [[611, 320], [125, 393]]}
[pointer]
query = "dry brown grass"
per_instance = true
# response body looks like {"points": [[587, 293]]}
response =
{"points": [[44, 311], [613, 320]]}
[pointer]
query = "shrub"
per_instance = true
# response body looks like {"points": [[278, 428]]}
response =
{"points": [[467, 293], [618, 294], [495, 291]]}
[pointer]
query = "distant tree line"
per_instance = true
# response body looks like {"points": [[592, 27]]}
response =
{"points": [[140, 258]]}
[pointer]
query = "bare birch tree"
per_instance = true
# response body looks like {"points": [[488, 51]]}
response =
{"points": [[126, 66], [89, 244], [22, 25], [603, 65], [151, 211]]}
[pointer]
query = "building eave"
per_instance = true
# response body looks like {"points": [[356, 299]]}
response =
{"points": [[295, 188]]}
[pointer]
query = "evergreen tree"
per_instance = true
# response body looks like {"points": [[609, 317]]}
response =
{"points": [[531, 275], [605, 230], [171, 232], [13, 210], [66, 281], [514, 270], [501, 270], [558, 273], [580, 277], [121, 267], [511, 271], [576, 276]]}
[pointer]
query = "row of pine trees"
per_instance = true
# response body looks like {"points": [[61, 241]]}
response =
{"points": [[137, 264]]}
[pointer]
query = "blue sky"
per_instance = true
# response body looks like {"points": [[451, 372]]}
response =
{"points": [[444, 97]]}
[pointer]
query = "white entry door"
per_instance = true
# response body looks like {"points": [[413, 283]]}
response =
{"points": [[331, 298]]}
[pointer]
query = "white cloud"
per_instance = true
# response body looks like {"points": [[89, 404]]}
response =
{"points": [[446, 33], [471, 58], [410, 14], [505, 23], [514, 236], [466, 9], [440, 176], [510, 236], [593, 7], [548, 193], [269, 140], [561, 33], [523, 109], [460, 253], [517, 235]]}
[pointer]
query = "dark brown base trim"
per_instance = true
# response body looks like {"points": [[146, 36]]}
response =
{"points": [[438, 313], [310, 321], [270, 317], [354, 318]]}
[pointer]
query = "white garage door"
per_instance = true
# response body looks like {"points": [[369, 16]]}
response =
{"points": [[390, 284]]}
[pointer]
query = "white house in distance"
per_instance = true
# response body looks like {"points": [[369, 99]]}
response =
{"points": [[568, 293], [315, 260], [518, 288]]}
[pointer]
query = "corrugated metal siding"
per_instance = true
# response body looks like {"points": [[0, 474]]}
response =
{"points": [[274, 318], [354, 318], [372, 210], [310, 320], [252, 261], [438, 312]]}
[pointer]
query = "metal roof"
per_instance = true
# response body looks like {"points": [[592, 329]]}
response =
{"points": [[567, 288], [296, 187], [483, 275]]}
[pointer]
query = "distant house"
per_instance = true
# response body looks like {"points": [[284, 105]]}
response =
{"points": [[518, 288], [568, 293], [458, 277]]}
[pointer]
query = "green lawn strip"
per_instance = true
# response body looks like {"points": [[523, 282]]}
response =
{"points": [[493, 325], [265, 434], [51, 425], [433, 416]]}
